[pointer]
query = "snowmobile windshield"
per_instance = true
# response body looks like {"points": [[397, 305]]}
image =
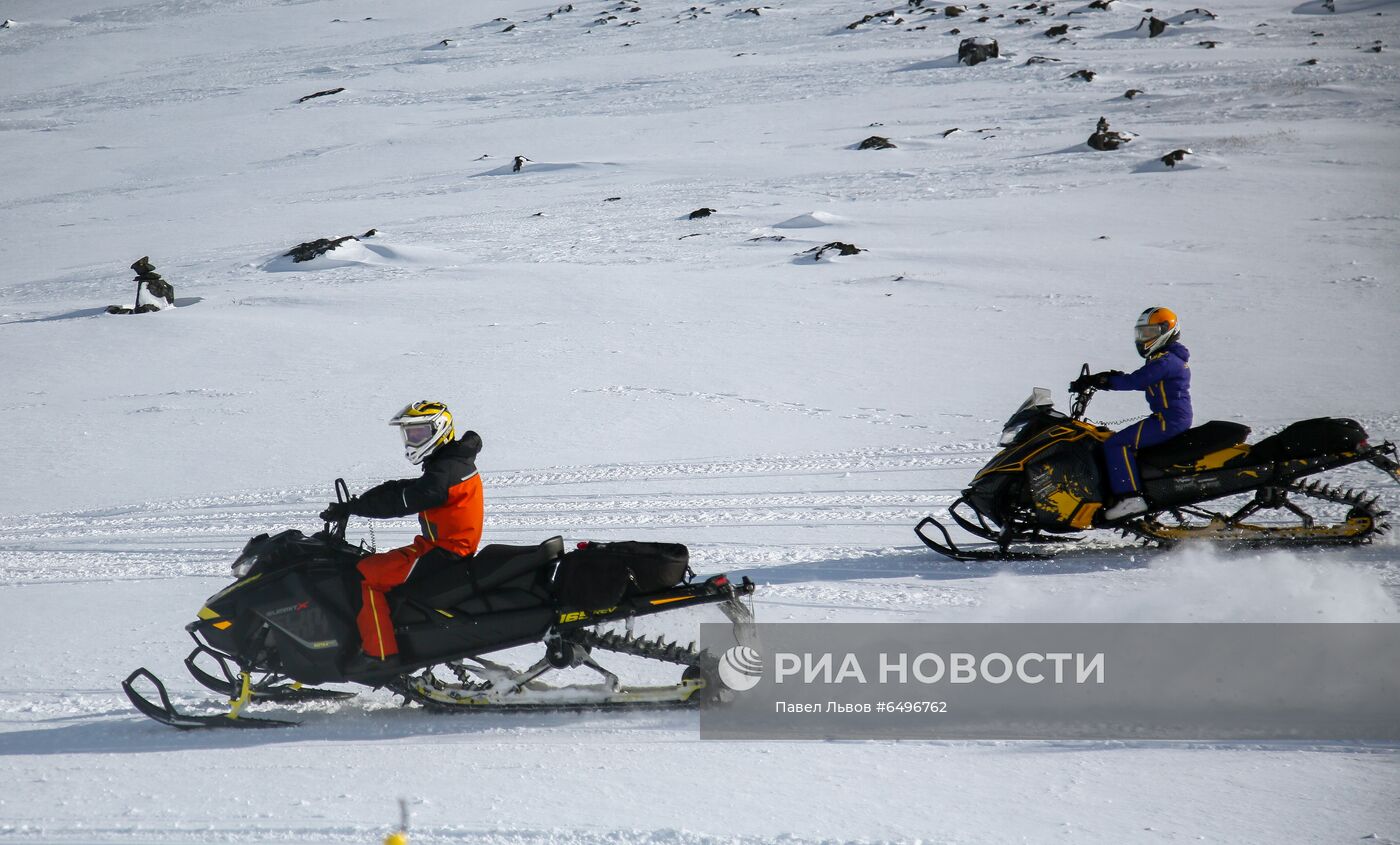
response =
{"points": [[417, 434], [1038, 402]]}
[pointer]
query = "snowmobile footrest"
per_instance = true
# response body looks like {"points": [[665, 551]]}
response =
{"points": [[166, 714], [949, 549]]}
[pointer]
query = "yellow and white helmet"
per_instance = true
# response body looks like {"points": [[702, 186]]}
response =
{"points": [[425, 426], [1156, 327]]}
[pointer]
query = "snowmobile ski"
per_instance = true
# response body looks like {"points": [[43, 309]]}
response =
{"points": [[949, 549], [166, 714]]}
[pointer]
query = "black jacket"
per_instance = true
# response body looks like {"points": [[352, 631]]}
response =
{"points": [[448, 466]]}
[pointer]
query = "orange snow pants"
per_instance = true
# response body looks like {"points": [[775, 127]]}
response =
{"points": [[381, 573]]}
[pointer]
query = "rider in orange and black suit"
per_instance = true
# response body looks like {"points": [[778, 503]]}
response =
{"points": [[447, 498]]}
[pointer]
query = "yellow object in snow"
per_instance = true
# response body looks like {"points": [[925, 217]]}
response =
{"points": [[396, 838]]}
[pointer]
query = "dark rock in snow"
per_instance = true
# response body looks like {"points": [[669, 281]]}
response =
{"points": [[876, 142], [1105, 139], [1199, 14], [701, 212], [888, 14], [318, 247], [1085, 74], [510, 28], [520, 162], [1209, 45], [1132, 92], [611, 199], [948, 132], [325, 93], [1155, 26], [1040, 60], [1310, 62], [955, 31], [769, 238], [1105, 5], [954, 11], [974, 51], [839, 247], [1057, 31], [8, 24], [1175, 157], [371, 233], [152, 292]]}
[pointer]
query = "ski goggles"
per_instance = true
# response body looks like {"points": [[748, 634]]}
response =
{"points": [[1149, 332], [416, 434]]}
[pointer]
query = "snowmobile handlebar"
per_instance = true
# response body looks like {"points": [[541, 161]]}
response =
{"points": [[342, 495], [1081, 396]]}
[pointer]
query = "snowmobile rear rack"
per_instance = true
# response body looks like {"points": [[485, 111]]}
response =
{"points": [[166, 714]]}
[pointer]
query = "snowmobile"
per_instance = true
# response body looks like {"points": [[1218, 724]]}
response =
{"points": [[287, 624], [1049, 481]]}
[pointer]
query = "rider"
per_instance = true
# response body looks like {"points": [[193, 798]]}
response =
{"points": [[1166, 378], [447, 498]]}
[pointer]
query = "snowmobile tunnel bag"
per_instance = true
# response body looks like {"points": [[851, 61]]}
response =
{"points": [[1194, 443], [1308, 438], [452, 580], [598, 575]]}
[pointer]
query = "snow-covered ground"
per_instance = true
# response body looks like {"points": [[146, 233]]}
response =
{"points": [[638, 374]]}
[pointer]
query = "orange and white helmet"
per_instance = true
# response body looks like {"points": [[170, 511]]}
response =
{"points": [[1156, 327], [425, 426]]}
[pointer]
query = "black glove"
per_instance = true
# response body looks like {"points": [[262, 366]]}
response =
{"points": [[1098, 381], [336, 512]]}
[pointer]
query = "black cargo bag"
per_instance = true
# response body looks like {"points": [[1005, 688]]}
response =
{"points": [[598, 575], [1310, 438]]}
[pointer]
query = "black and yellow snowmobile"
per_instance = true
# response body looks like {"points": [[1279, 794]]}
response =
{"points": [[1049, 481], [288, 621]]}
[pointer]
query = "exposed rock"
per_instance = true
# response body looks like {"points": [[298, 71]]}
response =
{"points": [[318, 247], [876, 142], [326, 93], [948, 132], [1155, 26], [1197, 14], [1132, 92], [1175, 157], [839, 247], [1057, 31], [1085, 74], [152, 292], [1105, 5], [520, 162], [888, 14], [8, 24], [1310, 62], [1040, 60], [954, 11], [510, 28], [702, 212], [1105, 139], [974, 51], [371, 233], [1209, 45], [611, 199], [1329, 5]]}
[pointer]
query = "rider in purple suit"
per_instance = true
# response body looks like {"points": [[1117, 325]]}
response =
{"points": [[1166, 379]]}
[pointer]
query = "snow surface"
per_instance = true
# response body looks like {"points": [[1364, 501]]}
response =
{"points": [[636, 374]]}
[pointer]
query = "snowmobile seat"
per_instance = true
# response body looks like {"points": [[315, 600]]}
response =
{"points": [[1309, 438], [1180, 454], [492, 568]]}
